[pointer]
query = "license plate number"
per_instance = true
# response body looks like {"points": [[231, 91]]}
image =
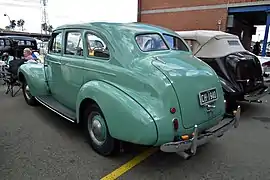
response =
{"points": [[208, 96]]}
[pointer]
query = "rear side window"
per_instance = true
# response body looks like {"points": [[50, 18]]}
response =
{"points": [[97, 47], [56, 43], [176, 43]]}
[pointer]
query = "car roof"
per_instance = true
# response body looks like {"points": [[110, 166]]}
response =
{"points": [[209, 43], [203, 36], [133, 27], [19, 37]]}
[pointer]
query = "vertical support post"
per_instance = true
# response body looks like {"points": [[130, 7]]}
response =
{"points": [[266, 34], [139, 11]]}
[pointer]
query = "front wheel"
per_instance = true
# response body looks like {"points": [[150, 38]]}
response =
{"points": [[30, 100], [97, 131]]}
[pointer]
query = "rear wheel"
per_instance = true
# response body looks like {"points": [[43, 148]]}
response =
{"points": [[97, 131], [30, 100]]}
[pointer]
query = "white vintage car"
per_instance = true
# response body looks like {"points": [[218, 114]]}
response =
{"points": [[239, 70]]}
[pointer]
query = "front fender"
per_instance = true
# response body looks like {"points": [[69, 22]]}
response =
{"points": [[35, 76], [126, 119]]}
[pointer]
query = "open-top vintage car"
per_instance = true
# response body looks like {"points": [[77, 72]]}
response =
{"points": [[239, 70], [144, 86]]}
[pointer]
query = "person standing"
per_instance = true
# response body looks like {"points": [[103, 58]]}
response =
{"points": [[257, 48]]}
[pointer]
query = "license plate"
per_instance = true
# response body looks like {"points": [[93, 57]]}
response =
{"points": [[208, 96]]}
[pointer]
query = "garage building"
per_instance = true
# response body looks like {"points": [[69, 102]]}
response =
{"points": [[238, 17]]}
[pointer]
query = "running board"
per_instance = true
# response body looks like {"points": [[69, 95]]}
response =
{"points": [[55, 106]]}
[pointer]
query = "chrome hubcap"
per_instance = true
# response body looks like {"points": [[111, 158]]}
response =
{"points": [[27, 92], [97, 129]]}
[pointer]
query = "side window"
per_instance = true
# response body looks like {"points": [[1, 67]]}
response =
{"points": [[56, 43], [7, 42], [2, 43], [96, 47], [74, 44], [21, 43], [28, 43]]}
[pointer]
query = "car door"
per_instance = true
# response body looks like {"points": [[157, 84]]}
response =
{"points": [[72, 64], [53, 65]]}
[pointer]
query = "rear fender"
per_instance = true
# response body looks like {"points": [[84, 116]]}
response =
{"points": [[227, 86], [34, 75], [126, 119]]}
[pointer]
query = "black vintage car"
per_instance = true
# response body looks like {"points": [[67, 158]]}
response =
{"points": [[239, 70], [14, 45]]}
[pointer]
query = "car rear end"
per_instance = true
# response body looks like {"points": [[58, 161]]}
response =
{"points": [[248, 74], [200, 100]]}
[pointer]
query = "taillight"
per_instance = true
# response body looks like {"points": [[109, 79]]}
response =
{"points": [[173, 110], [175, 124]]}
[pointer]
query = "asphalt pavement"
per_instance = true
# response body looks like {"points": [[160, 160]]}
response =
{"points": [[37, 144]]}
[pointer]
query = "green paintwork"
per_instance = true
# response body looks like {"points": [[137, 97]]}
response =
{"points": [[35, 76], [134, 91]]}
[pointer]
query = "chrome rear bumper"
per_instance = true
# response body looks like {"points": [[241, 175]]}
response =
{"points": [[257, 94], [198, 140]]}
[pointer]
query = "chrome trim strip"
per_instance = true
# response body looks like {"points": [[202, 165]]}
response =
{"points": [[89, 69], [60, 114], [205, 7], [54, 62]]}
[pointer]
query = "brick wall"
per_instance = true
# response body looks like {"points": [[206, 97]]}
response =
{"points": [[189, 20], [161, 4]]}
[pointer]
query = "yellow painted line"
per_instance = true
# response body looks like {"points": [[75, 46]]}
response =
{"points": [[130, 164]]}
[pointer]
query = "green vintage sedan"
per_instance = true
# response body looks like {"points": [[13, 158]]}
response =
{"points": [[130, 82]]}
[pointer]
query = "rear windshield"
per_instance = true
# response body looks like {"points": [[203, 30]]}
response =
{"points": [[175, 43], [151, 42]]}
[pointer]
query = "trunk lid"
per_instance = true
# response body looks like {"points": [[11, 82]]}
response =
{"points": [[190, 76], [241, 65]]}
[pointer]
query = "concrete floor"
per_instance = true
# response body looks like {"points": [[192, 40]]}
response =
{"points": [[37, 144]]}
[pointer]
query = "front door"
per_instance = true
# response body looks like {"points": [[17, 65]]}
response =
{"points": [[72, 64], [53, 65]]}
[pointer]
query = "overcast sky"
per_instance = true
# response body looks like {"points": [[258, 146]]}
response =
{"points": [[63, 11]]}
